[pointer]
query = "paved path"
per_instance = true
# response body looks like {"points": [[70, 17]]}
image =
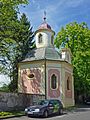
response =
{"points": [[78, 114]]}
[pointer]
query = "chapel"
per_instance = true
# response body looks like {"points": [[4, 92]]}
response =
{"points": [[47, 71]]}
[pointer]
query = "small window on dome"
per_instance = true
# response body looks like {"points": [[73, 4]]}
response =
{"points": [[40, 38], [68, 57], [52, 39]]}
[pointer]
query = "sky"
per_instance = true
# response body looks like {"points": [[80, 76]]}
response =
{"points": [[4, 80], [58, 14]]}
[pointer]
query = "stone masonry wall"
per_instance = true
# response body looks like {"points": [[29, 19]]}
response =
{"points": [[17, 101]]}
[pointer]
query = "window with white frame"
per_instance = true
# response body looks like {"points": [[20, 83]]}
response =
{"points": [[52, 39], [68, 84], [53, 81], [40, 38]]}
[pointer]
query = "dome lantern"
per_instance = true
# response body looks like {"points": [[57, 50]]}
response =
{"points": [[44, 34]]}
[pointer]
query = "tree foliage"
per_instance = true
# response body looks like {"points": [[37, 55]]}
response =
{"points": [[24, 43], [77, 37], [4, 88], [8, 24], [16, 39]]}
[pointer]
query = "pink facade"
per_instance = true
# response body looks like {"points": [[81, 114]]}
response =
{"points": [[68, 93], [53, 93], [31, 85], [45, 71]]}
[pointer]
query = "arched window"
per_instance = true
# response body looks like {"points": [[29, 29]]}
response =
{"points": [[53, 81], [52, 39], [68, 57], [40, 38], [68, 84]]}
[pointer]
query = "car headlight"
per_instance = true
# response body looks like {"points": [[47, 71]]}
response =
{"points": [[37, 110], [26, 110]]}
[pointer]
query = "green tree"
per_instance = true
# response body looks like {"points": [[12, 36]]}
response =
{"points": [[11, 30], [24, 43], [8, 22], [8, 18], [77, 37], [4, 88]]}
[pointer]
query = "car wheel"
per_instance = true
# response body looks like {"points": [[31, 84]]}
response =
{"points": [[60, 111], [28, 115], [46, 114]]}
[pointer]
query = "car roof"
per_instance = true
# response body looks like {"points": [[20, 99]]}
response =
{"points": [[51, 100]]}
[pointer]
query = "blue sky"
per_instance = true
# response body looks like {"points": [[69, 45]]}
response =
{"points": [[4, 79], [59, 12]]}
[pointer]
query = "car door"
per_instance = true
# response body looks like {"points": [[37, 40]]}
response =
{"points": [[56, 106], [51, 106]]}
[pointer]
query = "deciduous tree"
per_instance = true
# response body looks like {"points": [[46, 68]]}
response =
{"points": [[77, 37], [16, 38]]}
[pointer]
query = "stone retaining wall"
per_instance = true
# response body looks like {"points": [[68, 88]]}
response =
{"points": [[17, 101]]}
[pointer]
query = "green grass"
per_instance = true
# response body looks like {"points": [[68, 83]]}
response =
{"points": [[10, 114]]}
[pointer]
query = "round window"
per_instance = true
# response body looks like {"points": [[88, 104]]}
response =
{"points": [[31, 75]]}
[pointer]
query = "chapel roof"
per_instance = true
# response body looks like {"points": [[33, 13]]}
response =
{"points": [[43, 53]]}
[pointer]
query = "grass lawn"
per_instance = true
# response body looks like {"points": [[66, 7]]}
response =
{"points": [[10, 114]]}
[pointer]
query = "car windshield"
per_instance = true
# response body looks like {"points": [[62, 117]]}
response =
{"points": [[43, 102]]}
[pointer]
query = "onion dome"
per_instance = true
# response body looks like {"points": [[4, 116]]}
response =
{"points": [[44, 25]]}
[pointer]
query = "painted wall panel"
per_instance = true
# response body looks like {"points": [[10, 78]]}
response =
{"points": [[68, 92], [31, 79]]}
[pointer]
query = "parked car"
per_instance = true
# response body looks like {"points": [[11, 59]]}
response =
{"points": [[87, 100], [45, 108]]}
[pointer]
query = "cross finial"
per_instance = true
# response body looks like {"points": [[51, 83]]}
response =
{"points": [[44, 16]]}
